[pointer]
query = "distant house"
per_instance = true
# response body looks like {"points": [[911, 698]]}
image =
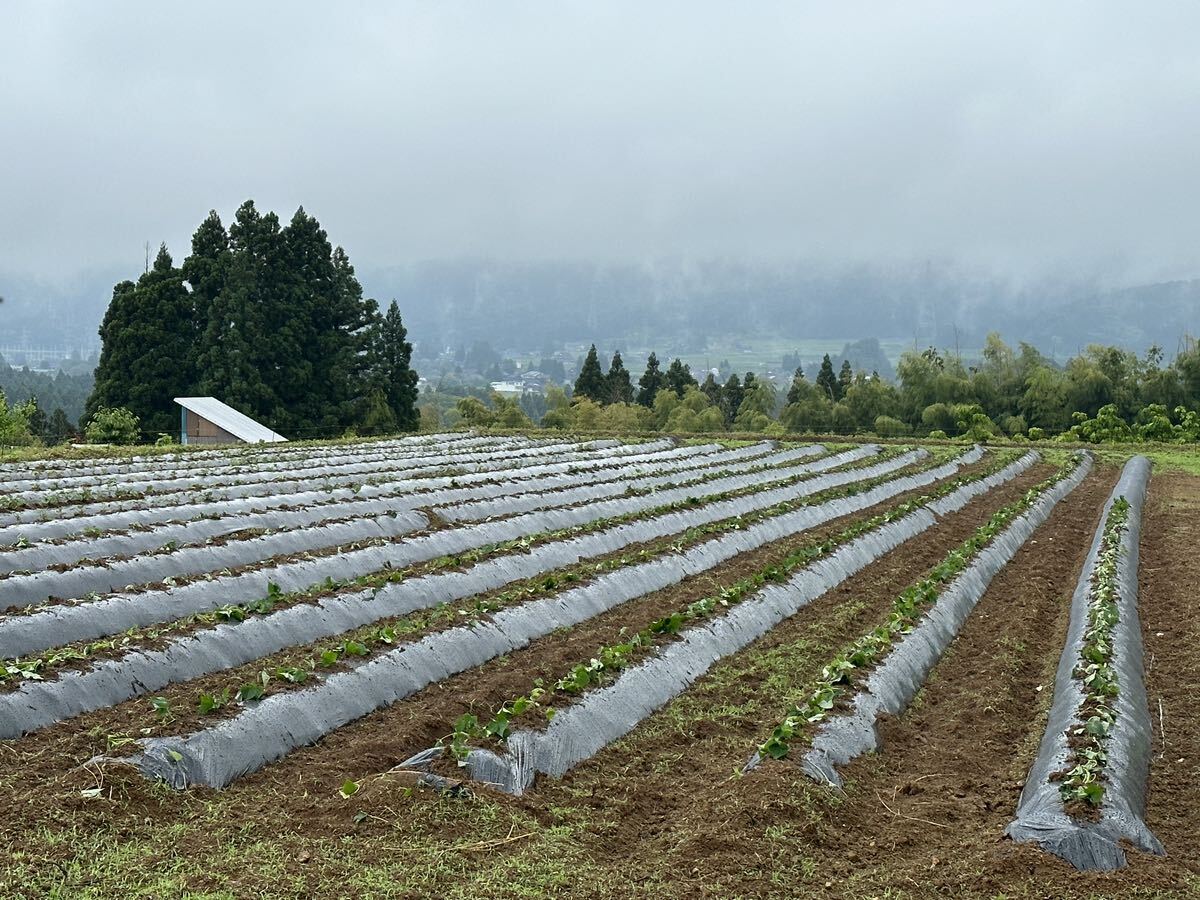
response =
{"points": [[508, 388], [206, 420]]}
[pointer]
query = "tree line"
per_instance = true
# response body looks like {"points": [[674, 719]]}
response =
{"points": [[52, 402], [1102, 394], [268, 318]]}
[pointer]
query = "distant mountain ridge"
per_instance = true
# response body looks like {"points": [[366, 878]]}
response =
{"points": [[546, 304]]}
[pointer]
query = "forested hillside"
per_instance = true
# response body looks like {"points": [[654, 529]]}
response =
{"points": [[535, 305], [692, 305]]}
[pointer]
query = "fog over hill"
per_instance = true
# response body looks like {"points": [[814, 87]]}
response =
{"points": [[693, 304], [682, 306]]}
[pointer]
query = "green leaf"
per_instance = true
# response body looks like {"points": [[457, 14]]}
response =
{"points": [[292, 674], [775, 749], [348, 789], [250, 692], [498, 727], [161, 707]]}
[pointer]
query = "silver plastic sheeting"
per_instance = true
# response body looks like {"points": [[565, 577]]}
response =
{"points": [[496, 459], [1041, 817], [341, 473], [56, 625], [37, 704], [23, 590], [505, 506], [168, 468], [485, 480], [166, 480], [891, 686], [283, 722], [337, 471], [243, 454], [130, 543], [602, 716], [343, 505]]}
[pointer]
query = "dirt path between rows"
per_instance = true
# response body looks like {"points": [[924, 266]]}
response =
{"points": [[932, 807], [925, 816], [298, 789], [670, 791]]}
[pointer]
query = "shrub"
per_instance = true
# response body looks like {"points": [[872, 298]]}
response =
{"points": [[586, 414], [1107, 428], [626, 417], [1037, 434], [113, 426], [978, 428], [841, 420], [508, 413], [1154, 424], [431, 419], [14, 423], [473, 411], [887, 426], [1014, 425], [939, 417], [558, 418], [810, 415]]}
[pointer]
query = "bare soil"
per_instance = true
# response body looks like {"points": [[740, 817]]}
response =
{"points": [[663, 812]]}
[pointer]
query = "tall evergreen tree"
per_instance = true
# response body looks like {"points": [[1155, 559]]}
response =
{"points": [[377, 416], [120, 318], [591, 382], [307, 361], [205, 271], [827, 380], [237, 360], [845, 378], [59, 428], [272, 320], [796, 392], [710, 389], [38, 421], [147, 340], [651, 382], [343, 333], [392, 364], [620, 388], [731, 397], [679, 377]]}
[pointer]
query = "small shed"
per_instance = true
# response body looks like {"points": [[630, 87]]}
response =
{"points": [[206, 420]]}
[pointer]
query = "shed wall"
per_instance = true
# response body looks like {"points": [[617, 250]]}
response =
{"points": [[199, 430]]}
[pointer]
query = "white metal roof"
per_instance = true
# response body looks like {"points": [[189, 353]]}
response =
{"points": [[224, 416]]}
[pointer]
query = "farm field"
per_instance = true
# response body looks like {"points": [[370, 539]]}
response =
{"points": [[467, 665]]}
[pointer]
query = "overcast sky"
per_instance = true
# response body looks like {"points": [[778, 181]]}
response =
{"points": [[1021, 137]]}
